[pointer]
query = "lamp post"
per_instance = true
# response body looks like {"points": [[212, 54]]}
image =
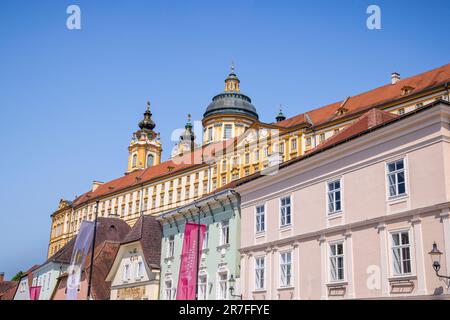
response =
{"points": [[232, 283], [435, 255]]}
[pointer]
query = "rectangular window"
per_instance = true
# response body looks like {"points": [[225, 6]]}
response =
{"points": [[285, 269], [210, 133], [308, 141], [322, 137], [223, 286], [227, 131], [139, 270], [224, 165], [281, 148], [202, 287], [396, 178], [337, 261], [247, 158], [170, 246], [285, 211], [256, 155], [260, 219], [293, 144], [401, 253], [126, 272], [168, 290], [401, 111], [334, 196], [259, 272], [206, 239], [224, 232]]}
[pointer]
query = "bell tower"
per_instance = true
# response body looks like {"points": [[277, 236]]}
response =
{"points": [[145, 148]]}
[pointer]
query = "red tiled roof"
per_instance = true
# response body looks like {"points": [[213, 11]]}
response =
{"points": [[179, 163], [108, 229], [372, 98], [368, 120], [148, 232], [8, 289], [104, 256], [373, 119]]}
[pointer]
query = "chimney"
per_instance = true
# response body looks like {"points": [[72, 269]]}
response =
{"points": [[395, 77], [95, 185], [2, 276]]}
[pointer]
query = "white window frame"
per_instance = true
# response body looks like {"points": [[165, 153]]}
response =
{"points": [[288, 265], [405, 173], [260, 282], [225, 126], [336, 257], [210, 134], [391, 249], [334, 191], [203, 284], [206, 239], [223, 224], [260, 227], [168, 291], [294, 144], [126, 272], [219, 294], [285, 225], [170, 246], [152, 156], [139, 270], [134, 160]]}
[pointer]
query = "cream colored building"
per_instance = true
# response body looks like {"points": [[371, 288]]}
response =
{"points": [[237, 143], [135, 272]]}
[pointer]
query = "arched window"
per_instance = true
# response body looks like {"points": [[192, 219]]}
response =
{"points": [[149, 160], [134, 160]]}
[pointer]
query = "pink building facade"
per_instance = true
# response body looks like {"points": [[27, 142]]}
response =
{"points": [[356, 219]]}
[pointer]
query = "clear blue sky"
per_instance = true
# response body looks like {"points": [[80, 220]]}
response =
{"points": [[70, 100]]}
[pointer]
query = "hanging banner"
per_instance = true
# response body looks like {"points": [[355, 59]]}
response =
{"points": [[82, 246], [192, 244], [34, 292]]}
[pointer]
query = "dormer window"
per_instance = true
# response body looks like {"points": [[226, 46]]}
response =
{"points": [[341, 111], [407, 90]]}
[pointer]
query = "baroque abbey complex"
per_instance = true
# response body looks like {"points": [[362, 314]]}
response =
{"points": [[235, 144]]}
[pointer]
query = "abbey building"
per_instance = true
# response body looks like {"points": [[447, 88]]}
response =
{"points": [[235, 144]]}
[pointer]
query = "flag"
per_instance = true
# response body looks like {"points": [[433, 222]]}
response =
{"points": [[187, 278], [82, 246], [34, 292]]}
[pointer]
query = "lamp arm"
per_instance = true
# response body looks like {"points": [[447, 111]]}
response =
{"points": [[441, 276]]}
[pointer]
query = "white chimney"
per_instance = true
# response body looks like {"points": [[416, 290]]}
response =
{"points": [[95, 185], [395, 77]]}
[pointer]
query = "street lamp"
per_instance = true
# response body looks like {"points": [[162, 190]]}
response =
{"points": [[232, 283], [435, 255]]}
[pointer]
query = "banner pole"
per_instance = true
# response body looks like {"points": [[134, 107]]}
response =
{"points": [[92, 252]]}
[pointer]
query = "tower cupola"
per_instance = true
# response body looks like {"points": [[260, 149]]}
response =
{"points": [[145, 148], [280, 116]]}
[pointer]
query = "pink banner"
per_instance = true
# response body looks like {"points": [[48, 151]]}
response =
{"points": [[34, 292], [187, 278]]}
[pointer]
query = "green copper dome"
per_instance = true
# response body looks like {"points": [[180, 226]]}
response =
{"points": [[231, 100]]}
